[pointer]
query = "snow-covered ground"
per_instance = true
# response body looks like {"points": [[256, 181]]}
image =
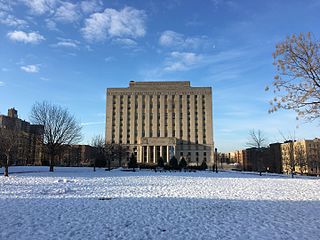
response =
{"points": [[77, 203]]}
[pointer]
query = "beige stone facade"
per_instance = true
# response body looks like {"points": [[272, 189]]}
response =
{"points": [[304, 155], [162, 119]]}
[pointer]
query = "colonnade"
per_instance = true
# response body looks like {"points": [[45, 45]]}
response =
{"points": [[151, 154]]}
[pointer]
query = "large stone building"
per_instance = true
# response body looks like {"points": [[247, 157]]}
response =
{"points": [[162, 119], [29, 149]]}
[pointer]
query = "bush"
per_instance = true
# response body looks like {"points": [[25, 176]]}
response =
{"points": [[160, 162], [183, 163], [147, 166], [173, 163], [203, 165], [132, 161]]}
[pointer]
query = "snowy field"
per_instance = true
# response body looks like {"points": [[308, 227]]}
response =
{"points": [[77, 203]]}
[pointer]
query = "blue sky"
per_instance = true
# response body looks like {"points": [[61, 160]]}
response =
{"points": [[69, 52]]}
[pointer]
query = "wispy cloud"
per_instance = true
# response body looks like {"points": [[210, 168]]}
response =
{"points": [[44, 79], [128, 22], [90, 6], [10, 20], [39, 7], [125, 42], [67, 43], [108, 59], [21, 36], [92, 123], [30, 68], [182, 61], [2, 84], [67, 12], [176, 40]]}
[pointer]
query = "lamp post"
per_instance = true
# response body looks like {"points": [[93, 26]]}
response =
{"points": [[216, 159]]}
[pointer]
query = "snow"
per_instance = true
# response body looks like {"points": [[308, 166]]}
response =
{"points": [[77, 203]]}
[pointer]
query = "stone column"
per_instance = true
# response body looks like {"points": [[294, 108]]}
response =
{"points": [[169, 111], [139, 117], [200, 120], [109, 118], [184, 118], [162, 116], [155, 116], [148, 155], [125, 119], [177, 111], [117, 117], [141, 154], [209, 129], [161, 152], [192, 119], [132, 119], [168, 154], [154, 154], [147, 116]]}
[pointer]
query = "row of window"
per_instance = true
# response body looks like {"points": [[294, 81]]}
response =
{"points": [[166, 117]]}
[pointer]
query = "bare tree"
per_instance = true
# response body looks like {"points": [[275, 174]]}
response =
{"points": [[256, 139], [119, 152], [297, 83], [301, 157], [60, 127], [289, 160], [8, 143], [98, 143], [109, 153]]}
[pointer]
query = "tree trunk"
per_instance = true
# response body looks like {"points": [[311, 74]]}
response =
{"points": [[6, 166], [109, 164], [51, 163]]}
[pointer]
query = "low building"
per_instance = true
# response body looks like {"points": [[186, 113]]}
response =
{"points": [[256, 159], [75, 156], [301, 156], [30, 139], [275, 158]]}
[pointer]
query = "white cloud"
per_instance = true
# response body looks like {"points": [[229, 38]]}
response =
{"points": [[51, 25], [67, 12], [44, 79], [30, 68], [6, 5], [2, 84], [92, 123], [11, 20], [40, 7], [182, 61], [108, 59], [69, 43], [90, 6], [176, 40], [125, 42], [128, 22], [20, 36]]}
